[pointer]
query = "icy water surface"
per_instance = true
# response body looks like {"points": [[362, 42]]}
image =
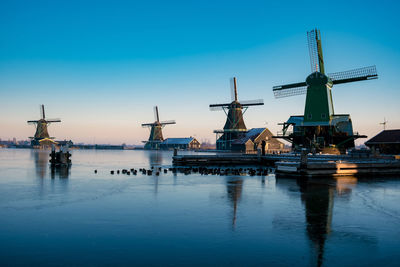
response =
{"points": [[78, 218]]}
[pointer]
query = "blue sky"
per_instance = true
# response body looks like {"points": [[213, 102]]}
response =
{"points": [[101, 66]]}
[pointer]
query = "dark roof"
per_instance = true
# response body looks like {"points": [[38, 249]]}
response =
{"points": [[251, 134], [386, 136], [178, 141]]}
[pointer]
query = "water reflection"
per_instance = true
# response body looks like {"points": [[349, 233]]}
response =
{"points": [[41, 161], [61, 172], [234, 187], [318, 199], [155, 158], [45, 187]]}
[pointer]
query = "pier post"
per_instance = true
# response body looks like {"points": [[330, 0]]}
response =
{"points": [[263, 144], [303, 158], [53, 154], [175, 152]]}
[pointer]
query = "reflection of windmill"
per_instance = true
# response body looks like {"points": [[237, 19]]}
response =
{"points": [[41, 127], [320, 127], [234, 126], [41, 160], [234, 189], [318, 199], [156, 136]]}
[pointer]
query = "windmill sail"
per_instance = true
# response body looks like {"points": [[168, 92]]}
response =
{"points": [[255, 102], [287, 90], [168, 122], [315, 50], [366, 73], [42, 112], [156, 116], [234, 95]]}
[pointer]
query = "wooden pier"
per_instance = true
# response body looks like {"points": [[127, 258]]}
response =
{"points": [[339, 168], [246, 159], [300, 165]]}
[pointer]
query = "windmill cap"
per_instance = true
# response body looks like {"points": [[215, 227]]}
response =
{"points": [[317, 78]]}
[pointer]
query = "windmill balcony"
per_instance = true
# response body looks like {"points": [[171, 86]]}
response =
{"points": [[281, 133]]}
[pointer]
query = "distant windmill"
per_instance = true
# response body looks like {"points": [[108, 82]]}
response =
{"points": [[41, 127], [156, 136], [234, 125], [384, 123], [320, 128]]}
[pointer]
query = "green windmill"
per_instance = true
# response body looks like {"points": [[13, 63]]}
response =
{"points": [[320, 129], [156, 137]]}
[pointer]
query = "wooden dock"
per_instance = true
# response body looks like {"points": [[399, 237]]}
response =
{"points": [[299, 165], [338, 168], [246, 159]]}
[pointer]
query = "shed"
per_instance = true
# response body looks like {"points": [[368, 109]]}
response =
{"points": [[251, 141], [387, 142], [180, 143]]}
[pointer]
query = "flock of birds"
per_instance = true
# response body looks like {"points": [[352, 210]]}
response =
{"points": [[189, 170]]}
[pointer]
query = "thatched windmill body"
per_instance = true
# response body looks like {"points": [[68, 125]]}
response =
{"points": [[156, 136], [41, 133], [320, 129], [234, 127]]}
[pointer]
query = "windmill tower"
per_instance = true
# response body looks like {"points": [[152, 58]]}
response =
{"points": [[234, 126], [41, 128], [156, 136], [320, 129]]}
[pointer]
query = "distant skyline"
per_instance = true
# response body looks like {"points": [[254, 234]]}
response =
{"points": [[101, 66]]}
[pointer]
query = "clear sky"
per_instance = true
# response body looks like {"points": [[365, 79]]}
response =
{"points": [[101, 66]]}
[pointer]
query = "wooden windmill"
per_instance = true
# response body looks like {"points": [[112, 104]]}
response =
{"points": [[320, 129], [156, 136], [41, 133], [234, 126]]}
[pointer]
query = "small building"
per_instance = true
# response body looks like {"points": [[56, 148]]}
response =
{"points": [[253, 139], [180, 143], [387, 142]]}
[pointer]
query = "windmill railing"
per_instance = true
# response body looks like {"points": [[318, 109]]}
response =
{"points": [[230, 131], [282, 133]]}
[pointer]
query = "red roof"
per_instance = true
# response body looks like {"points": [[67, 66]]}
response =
{"points": [[385, 137]]}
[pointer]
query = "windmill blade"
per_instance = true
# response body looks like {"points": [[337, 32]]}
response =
{"points": [[42, 112], [168, 122], [156, 117], [366, 73], [220, 105], [289, 89], [32, 121], [233, 83], [148, 124], [53, 120], [256, 102], [217, 108], [313, 50]]}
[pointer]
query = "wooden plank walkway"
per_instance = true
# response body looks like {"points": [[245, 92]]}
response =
{"points": [[289, 164], [247, 159], [339, 168]]}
